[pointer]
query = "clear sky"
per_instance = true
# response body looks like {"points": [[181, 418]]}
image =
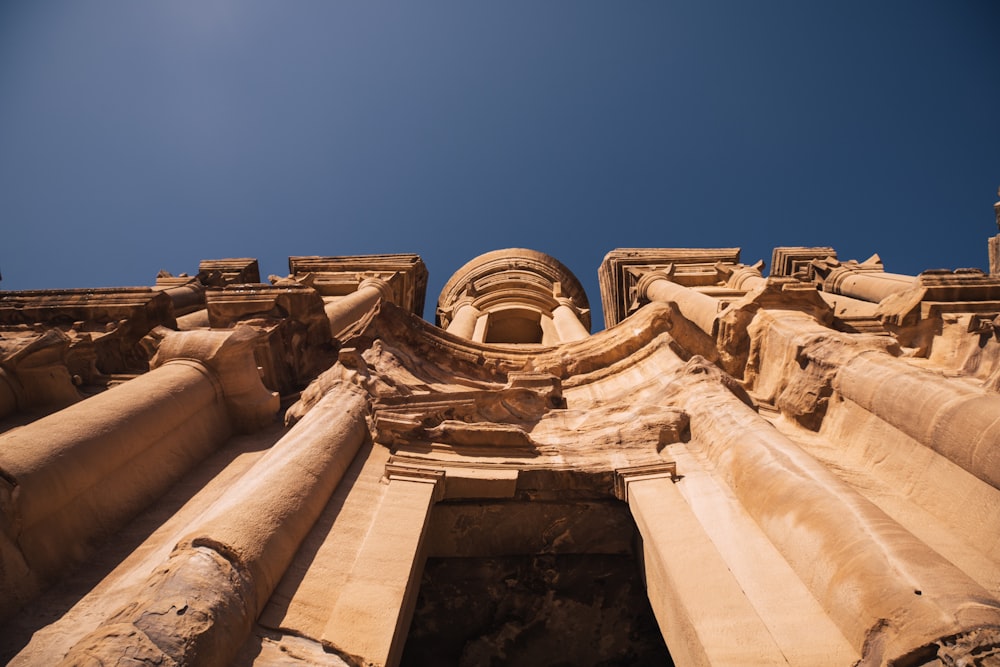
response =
{"points": [[139, 136]]}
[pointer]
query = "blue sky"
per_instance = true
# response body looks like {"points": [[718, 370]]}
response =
{"points": [[139, 136]]}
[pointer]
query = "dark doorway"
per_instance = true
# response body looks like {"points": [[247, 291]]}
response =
{"points": [[580, 610]]}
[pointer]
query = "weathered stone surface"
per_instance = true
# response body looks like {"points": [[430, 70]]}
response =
{"points": [[794, 469], [108, 323]]}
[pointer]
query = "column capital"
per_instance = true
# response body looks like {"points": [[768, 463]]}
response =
{"points": [[461, 302], [381, 285], [625, 476], [746, 277], [647, 279], [229, 355], [568, 303]]}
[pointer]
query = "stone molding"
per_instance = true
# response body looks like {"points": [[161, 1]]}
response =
{"points": [[792, 261], [409, 473], [625, 476]]}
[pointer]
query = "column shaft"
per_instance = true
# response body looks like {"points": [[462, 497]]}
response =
{"points": [[956, 420], [70, 477], [568, 325], [188, 297], [347, 310], [887, 591], [867, 285], [699, 308], [236, 555], [463, 324], [196, 320]]}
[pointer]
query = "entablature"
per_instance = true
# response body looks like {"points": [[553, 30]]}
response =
{"points": [[623, 268], [405, 274]]}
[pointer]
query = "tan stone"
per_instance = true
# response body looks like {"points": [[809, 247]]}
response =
{"points": [[796, 469], [515, 296]]}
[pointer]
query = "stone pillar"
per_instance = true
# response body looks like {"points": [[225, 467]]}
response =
{"points": [[746, 278], [866, 284], [463, 321], [240, 549], [703, 613], [77, 474], [196, 320], [567, 321], [375, 607], [347, 310], [186, 296], [68, 478], [957, 420], [699, 308], [891, 594]]}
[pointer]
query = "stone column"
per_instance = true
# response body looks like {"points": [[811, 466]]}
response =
{"points": [[71, 477], [891, 594], [375, 607], [463, 321], [703, 613], [746, 278], [567, 321], [699, 308], [186, 296], [235, 556], [865, 284], [957, 420], [347, 310], [196, 320]]}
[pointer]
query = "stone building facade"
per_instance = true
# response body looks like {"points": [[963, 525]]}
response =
{"points": [[798, 469]]}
